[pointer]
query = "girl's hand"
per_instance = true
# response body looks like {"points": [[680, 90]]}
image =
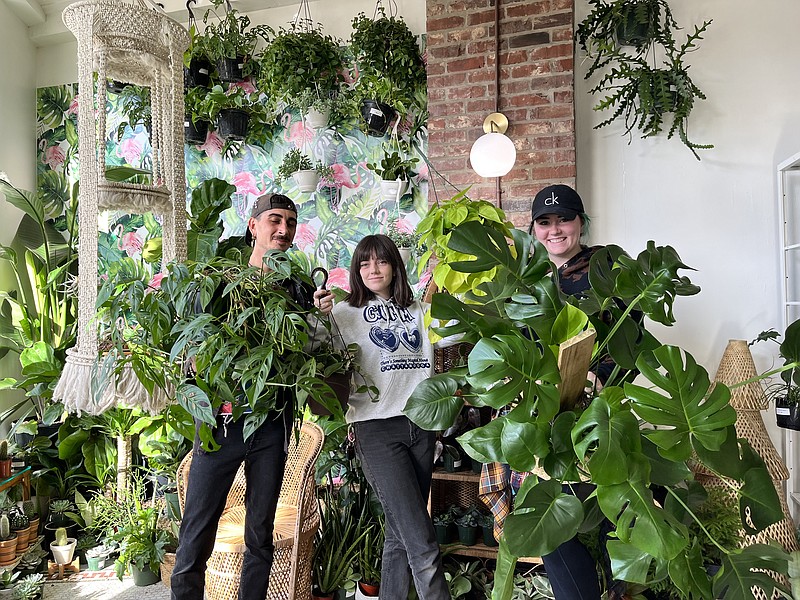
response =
{"points": [[323, 300]]}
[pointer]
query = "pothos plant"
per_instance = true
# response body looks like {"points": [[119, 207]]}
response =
{"points": [[244, 332], [627, 439], [631, 43]]}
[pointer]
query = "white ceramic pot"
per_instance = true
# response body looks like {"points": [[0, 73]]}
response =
{"points": [[63, 554], [317, 119], [405, 254], [392, 191], [306, 180]]}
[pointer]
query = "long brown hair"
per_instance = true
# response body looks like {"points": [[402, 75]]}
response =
{"points": [[382, 248]]}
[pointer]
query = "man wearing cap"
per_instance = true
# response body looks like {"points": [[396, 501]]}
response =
{"points": [[271, 226]]}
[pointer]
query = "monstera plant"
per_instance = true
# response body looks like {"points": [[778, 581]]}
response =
{"points": [[625, 440]]}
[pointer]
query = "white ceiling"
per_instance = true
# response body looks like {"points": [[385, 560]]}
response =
{"points": [[45, 27]]}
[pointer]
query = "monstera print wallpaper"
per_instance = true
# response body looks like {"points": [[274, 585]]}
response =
{"points": [[332, 219]]}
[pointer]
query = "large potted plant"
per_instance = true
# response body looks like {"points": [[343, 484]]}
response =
{"points": [[517, 320], [299, 61], [386, 51], [632, 43]]}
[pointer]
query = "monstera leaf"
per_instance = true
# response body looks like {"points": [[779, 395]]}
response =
{"points": [[689, 414], [434, 405], [743, 570]]}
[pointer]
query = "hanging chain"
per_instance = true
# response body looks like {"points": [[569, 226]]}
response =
{"points": [[303, 17]]}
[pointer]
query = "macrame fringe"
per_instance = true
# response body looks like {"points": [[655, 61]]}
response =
{"points": [[89, 386]]}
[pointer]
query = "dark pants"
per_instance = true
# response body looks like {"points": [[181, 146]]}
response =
{"points": [[210, 478], [397, 458]]}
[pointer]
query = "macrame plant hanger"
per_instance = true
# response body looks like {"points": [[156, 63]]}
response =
{"points": [[137, 43]]}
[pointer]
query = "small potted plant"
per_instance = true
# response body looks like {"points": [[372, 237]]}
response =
{"points": [[467, 525], [786, 393], [316, 107], [63, 547], [369, 561], [5, 460], [198, 105], [21, 525], [196, 62], [451, 458], [8, 578], [486, 523], [395, 169], [8, 541], [406, 242], [30, 587], [299, 167], [29, 510], [443, 525]]}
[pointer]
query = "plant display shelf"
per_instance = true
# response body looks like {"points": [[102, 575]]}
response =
{"points": [[22, 477], [461, 488]]}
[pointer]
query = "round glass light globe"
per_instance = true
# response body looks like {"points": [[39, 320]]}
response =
{"points": [[492, 155]]}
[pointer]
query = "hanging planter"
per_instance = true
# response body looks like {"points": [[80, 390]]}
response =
{"points": [[377, 117], [197, 74], [232, 124], [392, 191], [195, 133], [231, 69], [317, 119], [306, 180]]}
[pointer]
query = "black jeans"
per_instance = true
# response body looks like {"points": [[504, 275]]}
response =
{"points": [[397, 458], [210, 478]]}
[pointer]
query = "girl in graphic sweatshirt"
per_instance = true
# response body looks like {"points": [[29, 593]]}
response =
{"points": [[395, 354]]}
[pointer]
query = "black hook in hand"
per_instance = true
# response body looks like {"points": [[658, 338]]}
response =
{"points": [[314, 272]]}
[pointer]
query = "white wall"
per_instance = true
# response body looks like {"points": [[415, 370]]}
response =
{"points": [[18, 135], [720, 214]]}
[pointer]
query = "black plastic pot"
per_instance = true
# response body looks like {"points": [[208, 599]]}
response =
{"points": [[232, 124], [787, 415], [114, 86], [378, 116], [230, 69], [195, 134], [488, 536], [467, 535], [197, 74]]}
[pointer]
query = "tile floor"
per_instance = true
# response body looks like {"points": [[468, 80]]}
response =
{"points": [[104, 589]]}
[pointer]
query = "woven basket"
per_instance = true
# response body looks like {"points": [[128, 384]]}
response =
{"points": [[167, 565]]}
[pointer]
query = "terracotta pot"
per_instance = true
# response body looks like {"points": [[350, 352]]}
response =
{"points": [[8, 550], [5, 468]]}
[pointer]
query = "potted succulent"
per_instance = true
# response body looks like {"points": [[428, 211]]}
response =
{"points": [[642, 90], [20, 524], [8, 541], [5, 460], [302, 66], [391, 70], [395, 169], [626, 439], [8, 578], [30, 587], [30, 510], [63, 547], [306, 174]]}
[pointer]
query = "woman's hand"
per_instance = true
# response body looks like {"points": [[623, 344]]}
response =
{"points": [[323, 300]]}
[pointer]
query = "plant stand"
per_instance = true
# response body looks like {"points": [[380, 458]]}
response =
{"points": [[58, 570]]}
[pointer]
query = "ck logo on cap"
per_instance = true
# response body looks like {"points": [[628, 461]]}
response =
{"points": [[553, 199]]}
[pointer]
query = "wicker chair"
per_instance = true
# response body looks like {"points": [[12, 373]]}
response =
{"points": [[296, 523]]}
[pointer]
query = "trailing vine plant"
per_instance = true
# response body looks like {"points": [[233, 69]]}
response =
{"points": [[644, 76]]}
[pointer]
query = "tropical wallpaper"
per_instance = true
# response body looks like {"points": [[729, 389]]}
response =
{"points": [[332, 219]]}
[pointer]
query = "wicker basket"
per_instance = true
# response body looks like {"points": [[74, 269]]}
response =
{"points": [[167, 565]]}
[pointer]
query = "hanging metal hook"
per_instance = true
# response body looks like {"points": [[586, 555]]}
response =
{"points": [[192, 21]]}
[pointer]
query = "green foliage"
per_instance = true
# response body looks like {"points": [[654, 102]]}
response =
{"points": [[294, 160], [29, 587], [230, 36], [134, 102], [301, 60], [435, 231], [789, 351], [395, 164], [402, 239], [7, 578], [640, 93], [386, 50], [626, 439]]}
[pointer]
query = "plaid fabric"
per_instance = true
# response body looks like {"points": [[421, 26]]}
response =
{"points": [[494, 491]]}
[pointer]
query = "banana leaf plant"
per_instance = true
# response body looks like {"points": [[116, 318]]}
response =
{"points": [[626, 440]]}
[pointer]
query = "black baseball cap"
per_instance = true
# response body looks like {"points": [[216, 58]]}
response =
{"points": [[557, 200], [265, 203]]}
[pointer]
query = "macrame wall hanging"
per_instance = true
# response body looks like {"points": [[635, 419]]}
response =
{"points": [[138, 44]]}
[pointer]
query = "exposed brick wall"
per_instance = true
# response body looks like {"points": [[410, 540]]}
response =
{"points": [[536, 93]]}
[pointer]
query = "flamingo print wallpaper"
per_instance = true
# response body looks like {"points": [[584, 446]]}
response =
{"points": [[332, 219]]}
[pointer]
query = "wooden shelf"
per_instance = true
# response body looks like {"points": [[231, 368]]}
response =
{"points": [[469, 476]]}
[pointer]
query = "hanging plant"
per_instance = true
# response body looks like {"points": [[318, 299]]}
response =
{"points": [[389, 61], [623, 39], [302, 59]]}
